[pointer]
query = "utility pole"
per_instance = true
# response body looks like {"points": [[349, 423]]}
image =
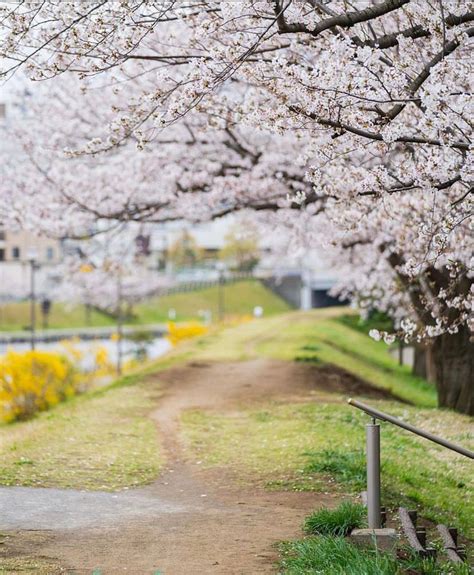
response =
{"points": [[33, 268], [220, 292]]}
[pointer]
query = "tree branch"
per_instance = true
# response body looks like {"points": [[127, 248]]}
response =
{"points": [[346, 20], [424, 74]]}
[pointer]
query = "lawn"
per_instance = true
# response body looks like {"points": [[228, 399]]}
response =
{"points": [[240, 298], [15, 316], [101, 440]]}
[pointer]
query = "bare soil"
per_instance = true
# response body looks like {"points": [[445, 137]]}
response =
{"points": [[190, 521]]}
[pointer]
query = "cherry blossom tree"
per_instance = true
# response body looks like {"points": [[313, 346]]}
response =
{"points": [[108, 271], [359, 111]]}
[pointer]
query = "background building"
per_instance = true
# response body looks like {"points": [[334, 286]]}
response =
{"points": [[17, 251]]}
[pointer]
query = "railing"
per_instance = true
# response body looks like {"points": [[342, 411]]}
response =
{"points": [[374, 512]]}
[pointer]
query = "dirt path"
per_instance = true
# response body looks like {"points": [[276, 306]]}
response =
{"points": [[190, 521]]}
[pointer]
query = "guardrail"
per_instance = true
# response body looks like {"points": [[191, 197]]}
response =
{"points": [[85, 333], [374, 512]]}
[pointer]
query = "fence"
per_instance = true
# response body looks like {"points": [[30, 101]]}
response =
{"points": [[375, 513]]}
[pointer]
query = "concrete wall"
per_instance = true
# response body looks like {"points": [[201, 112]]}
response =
{"points": [[287, 287], [300, 294]]}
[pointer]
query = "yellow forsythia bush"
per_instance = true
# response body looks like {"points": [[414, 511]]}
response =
{"points": [[34, 381], [177, 333], [102, 364]]}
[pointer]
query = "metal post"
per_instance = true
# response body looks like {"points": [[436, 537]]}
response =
{"points": [[221, 305], [32, 305], [373, 475], [119, 324]]}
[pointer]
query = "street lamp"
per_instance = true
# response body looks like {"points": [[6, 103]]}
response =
{"points": [[32, 256]]}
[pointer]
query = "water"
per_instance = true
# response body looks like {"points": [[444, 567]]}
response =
{"points": [[154, 348]]}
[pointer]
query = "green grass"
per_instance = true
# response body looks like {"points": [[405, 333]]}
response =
{"points": [[338, 556], [101, 440], [317, 446], [375, 320], [240, 298], [21, 565], [344, 466], [334, 556], [15, 316], [339, 522]]}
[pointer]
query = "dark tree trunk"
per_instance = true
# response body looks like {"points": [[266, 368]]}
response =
{"points": [[453, 358], [424, 364], [419, 362]]}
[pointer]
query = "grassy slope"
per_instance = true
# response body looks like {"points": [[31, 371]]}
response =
{"points": [[103, 439], [240, 299]]}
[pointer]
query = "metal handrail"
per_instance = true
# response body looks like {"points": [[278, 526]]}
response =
{"points": [[374, 511], [375, 413]]}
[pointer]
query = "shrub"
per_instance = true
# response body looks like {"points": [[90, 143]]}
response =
{"points": [[339, 521], [102, 364], [34, 381], [177, 333]]}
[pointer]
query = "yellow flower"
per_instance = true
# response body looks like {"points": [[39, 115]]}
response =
{"points": [[177, 333], [103, 365], [34, 381]]}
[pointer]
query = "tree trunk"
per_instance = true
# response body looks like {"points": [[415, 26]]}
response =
{"points": [[424, 364], [453, 357], [419, 361]]}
